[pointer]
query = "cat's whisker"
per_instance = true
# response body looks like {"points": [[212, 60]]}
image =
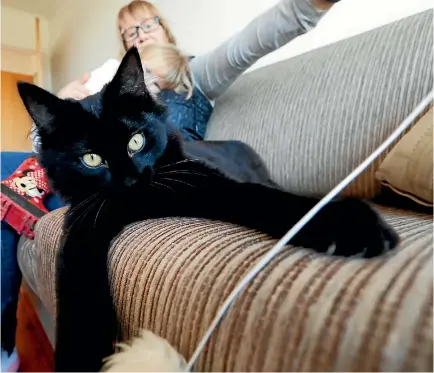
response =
{"points": [[73, 223], [99, 210], [88, 199], [79, 216], [208, 172], [175, 163], [70, 211], [179, 181], [90, 208], [155, 183], [183, 172], [83, 215]]}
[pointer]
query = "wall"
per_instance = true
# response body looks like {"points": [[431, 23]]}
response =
{"points": [[83, 36], [16, 62], [19, 41], [201, 25], [43, 8], [82, 40]]}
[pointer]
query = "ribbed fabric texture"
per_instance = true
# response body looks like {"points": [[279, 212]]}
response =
{"points": [[317, 116], [303, 312]]}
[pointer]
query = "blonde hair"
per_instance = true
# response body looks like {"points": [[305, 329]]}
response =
{"points": [[139, 9], [168, 63]]}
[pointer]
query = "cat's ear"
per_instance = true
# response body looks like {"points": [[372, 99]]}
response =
{"points": [[130, 78], [42, 105], [128, 88]]}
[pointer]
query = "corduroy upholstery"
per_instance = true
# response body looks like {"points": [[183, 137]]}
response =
{"points": [[304, 312]]}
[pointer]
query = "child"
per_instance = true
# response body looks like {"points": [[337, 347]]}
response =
{"points": [[187, 110], [170, 66]]}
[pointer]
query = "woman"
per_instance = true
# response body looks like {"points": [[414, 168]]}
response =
{"points": [[140, 23]]}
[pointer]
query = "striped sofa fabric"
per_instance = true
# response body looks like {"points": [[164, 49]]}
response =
{"points": [[303, 312]]}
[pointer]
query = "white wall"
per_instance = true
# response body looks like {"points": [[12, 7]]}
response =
{"points": [[83, 32], [83, 35], [18, 32], [42, 8], [201, 25]]}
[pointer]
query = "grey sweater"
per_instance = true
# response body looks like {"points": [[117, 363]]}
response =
{"points": [[215, 71]]}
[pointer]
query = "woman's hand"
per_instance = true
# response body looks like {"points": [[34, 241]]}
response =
{"points": [[78, 91], [75, 89], [322, 4]]}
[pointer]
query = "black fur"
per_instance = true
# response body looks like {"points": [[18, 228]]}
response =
{"points": [[216, 180]]}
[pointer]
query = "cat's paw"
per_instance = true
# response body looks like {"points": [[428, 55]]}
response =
{"points": [[351, 227]]}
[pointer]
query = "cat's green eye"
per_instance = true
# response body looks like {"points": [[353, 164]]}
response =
{"points": [[92, 160], [136, 143]]}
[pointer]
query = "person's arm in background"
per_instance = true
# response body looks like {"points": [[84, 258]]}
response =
{"points": [[214, 72]]}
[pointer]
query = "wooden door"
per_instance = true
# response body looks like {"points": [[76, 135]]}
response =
{"points": [[15, 121]]}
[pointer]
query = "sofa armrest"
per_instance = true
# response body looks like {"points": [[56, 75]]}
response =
{"points": [[304, 311]]}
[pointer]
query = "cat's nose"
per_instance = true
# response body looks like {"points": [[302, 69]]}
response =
{"points": [[129, 181]]}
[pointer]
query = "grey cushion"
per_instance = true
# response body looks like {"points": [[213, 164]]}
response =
{"points": [[316, 116]]}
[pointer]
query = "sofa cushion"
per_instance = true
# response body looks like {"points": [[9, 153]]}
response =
{"points": [[408, 168], [317, 116], [304, 311]]}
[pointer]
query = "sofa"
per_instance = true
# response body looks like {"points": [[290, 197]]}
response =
{"points": [[313, 118]]}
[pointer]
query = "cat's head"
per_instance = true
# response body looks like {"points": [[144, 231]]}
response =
{"points": [[103, 143]]}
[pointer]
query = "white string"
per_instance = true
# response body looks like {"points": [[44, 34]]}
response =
{"points": [[304, 220]]}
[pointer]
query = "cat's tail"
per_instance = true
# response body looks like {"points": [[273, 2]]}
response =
{"points": [[146, 353]]}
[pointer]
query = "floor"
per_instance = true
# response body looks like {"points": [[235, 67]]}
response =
{"points": [[34, 348]]}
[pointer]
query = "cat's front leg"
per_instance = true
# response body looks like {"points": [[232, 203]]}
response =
{"points": [[350, 225], [86, 325]]}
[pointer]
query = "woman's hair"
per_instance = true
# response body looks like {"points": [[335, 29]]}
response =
{"points": [[139, 9], [168, 63]]}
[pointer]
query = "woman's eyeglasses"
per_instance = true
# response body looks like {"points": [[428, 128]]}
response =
{"points": [[148, 25]]}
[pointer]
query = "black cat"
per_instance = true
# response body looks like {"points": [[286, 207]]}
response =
{"points": [[116, 161]]}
